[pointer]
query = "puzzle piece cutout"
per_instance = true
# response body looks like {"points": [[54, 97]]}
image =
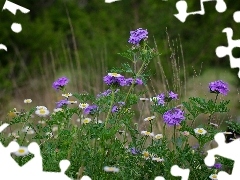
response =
{"points": [[222, 51], [236, 16], [182, 9], [33, 168], [227, 150], [177, 171]]}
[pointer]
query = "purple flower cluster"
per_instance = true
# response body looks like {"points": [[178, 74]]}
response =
{"points": [[219, 87], [119, 80], [161, 98], [105, 93], [137, 36], [91, 109], [218, 165], [62, 103], [134, 151], [60, 83], [173, 117], [116, 108]]}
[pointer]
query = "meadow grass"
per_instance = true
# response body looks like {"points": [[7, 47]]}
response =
{"points": [[120, 141]]}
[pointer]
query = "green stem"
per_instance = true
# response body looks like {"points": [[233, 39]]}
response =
{"points": [[174, 135], [110, 109], [210, 116]]}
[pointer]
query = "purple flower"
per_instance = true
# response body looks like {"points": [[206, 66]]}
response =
{"points": [[105, 93], [139, 81], [219, 87], [137, 36], [173, 95], [173, 117], [62, 103], [134, 151], [160, 99], [218, 165], [114, 109], [60, 83], [114, 79], [129, 81], [90, 109]]}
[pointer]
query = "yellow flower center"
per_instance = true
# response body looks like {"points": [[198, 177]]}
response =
{"points": [[42, 111], [146, 154], [114, 74], [200, 131], [21, 151], [148, 133]]}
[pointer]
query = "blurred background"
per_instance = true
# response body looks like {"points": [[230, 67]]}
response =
{"points": [[80, 39]]}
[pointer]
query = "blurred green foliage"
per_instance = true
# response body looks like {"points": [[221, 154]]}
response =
{"points": [[101, 30]]}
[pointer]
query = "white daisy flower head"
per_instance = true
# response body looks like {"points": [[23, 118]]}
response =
{"points": [[146, 133], [72, 102], [158, 136], [58, 110], [27, 101], [149, 118], [144, 99], [111, 169], [67, 95], [146, 155], [213, 176], [83, 105], [86, 120], [185, 133], [200, 131], [42, 112], [157, 159], [41, 107], [22, 151], [114, 75]]}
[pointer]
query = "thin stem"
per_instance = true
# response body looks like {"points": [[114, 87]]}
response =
{"points": [[210, 116], [110, 109]]}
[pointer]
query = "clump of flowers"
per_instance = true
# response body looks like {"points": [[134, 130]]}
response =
{"points": [[219, 87], [137, 36], [173, 117], [60, 83], [114, 79]]}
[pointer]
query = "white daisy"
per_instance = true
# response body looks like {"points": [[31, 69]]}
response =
{"points": [[83, 105], [114, 74], [86, 120], [213, 176], [146, 155], [157, 159], [110, 169], [27, 101], [67, 95], [22, 151], [146, 133], [200, 131], [158, 136], [149, 118], [42, 112], [41, 107], [58, 109]]}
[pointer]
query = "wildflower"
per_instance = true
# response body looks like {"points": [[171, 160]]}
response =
{"points": [[91, 109], [137, 36], [158, 136], [200, 131], [173, 95], [134, 151], [60, 83], [41, 107], [72, 102], [111, 169], [213, 176], [28, 130], [161, 99], [144, 99], [146, 133], [129, 81], [173, 117], [218, 165], [22, 151], [61, 103], [114, 79], [27, 101], [67, 95], [146, 155], [219, 87], [105, 93], [114, 109], [149, 118], [86, 120], [157, 159], [83, 105], [42, 112], [58, 110], [185, 133]]}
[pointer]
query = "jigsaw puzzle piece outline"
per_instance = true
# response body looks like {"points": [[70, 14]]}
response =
{"points": [[182, 7]]}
